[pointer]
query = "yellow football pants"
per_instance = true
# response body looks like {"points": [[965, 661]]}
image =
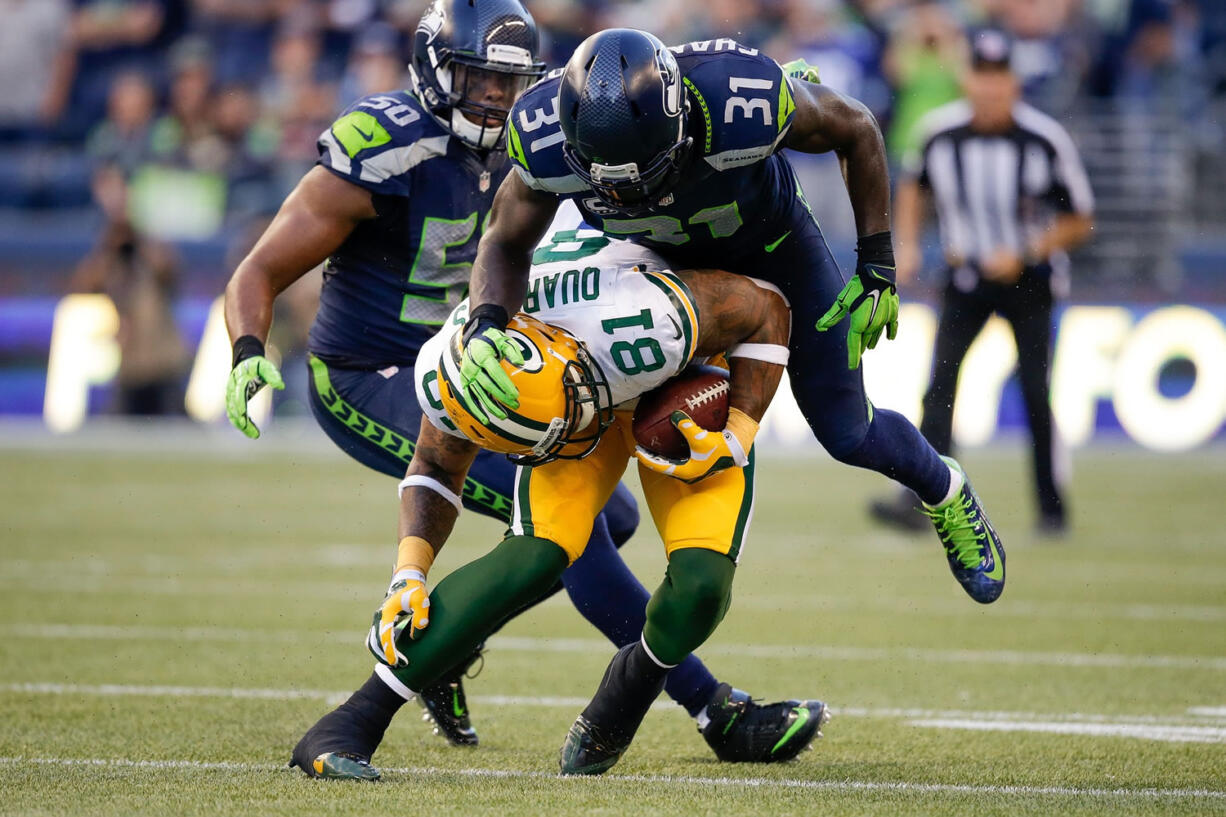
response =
{"points": [[559, 500]]}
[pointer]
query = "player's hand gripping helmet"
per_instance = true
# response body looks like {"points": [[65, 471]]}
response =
{"points": [[471, 59], [623, 111], [564, 399]]}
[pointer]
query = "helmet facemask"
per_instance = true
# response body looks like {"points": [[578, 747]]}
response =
{"points": [[589, 411], [468, 85], [627, 188]]}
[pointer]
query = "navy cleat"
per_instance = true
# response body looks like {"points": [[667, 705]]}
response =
{"points": [[742, 731], [976, 556], [444, 705]]}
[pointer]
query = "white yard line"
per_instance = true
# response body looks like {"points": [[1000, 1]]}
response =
{"points": [[668, 780], [594, 645], [920, 716], [1169, 734]]}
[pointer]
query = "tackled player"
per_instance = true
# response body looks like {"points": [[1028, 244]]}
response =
{"points": [[396, 207], [628, 326]]}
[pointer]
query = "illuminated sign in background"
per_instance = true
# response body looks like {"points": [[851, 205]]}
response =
{"points": [[1112, 370]]}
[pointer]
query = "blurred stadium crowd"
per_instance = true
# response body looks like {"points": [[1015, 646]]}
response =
{"points": [[145, 143], [220, 101]]}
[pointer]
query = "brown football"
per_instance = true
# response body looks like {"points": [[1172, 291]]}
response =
{"points": [[700, 391]]}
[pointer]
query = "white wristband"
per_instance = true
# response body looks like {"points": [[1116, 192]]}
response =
{"points": [[765, 352], [432, 484]]}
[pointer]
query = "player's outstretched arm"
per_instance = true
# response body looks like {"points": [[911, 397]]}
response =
{"points": [[429, 505], [312, 223], [751, 325], [826, 120], [499, 280]]}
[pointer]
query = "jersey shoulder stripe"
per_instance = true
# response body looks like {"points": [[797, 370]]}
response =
{"points": [[378, 140], [687, 310]]}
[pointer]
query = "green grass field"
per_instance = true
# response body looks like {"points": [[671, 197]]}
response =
{"points": [[172, 623]]}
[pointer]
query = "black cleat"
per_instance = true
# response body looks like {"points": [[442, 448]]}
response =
{"points": [[603, 731], [444, 705], [339, 747], [903, 511], [741, 731], [590, 750]]}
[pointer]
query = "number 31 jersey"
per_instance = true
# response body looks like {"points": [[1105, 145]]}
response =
{"points": [[737, 189], [397, 277], [637, 320]]}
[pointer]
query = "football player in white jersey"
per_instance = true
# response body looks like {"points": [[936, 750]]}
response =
{"points": [[604, 321]]}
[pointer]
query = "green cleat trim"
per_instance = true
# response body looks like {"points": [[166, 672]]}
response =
{"points": [[802, 718], [333, 766]]}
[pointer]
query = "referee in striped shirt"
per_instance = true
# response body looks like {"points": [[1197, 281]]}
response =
{"points": [[1011, 197]]}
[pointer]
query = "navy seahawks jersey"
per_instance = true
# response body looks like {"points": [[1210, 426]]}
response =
{"points": [[737, 188], [397, 277]]}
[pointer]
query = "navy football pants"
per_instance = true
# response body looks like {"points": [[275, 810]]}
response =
{"points": [[375, 419], [830, 395]]}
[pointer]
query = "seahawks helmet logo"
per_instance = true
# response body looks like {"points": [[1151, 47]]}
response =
{"points": [[670, 75], [432, 21]]}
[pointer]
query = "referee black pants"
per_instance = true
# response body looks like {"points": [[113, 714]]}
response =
{"points": [[1027, 305]]}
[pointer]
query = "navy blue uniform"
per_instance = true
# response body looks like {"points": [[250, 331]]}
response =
{"points": [[739, 207]]}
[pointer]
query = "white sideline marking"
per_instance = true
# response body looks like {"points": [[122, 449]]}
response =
{"points": [[594, 645], [1170, 734], [547, 701], [1208, 711], [682, 780]]}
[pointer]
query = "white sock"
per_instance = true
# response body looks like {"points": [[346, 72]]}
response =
{"points": [[703, 718], [955, 485], [393, 683]]}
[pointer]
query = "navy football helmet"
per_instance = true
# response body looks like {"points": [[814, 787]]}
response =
{"points": [[623, 111], [471, 59]]}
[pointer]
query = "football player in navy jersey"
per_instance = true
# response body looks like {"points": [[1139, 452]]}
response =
{"points": [[679, 149], [394, 210]]}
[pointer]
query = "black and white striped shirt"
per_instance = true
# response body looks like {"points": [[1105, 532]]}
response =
{"points": [[997, 191]]}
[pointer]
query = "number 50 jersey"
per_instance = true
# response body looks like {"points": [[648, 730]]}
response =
{"points": [[637, 320], [396, 278]]}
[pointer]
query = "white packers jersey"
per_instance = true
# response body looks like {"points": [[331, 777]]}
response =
{"points": [[637, 320]]}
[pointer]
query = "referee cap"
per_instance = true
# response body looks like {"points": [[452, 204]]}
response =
{"points": [[991, 49]]}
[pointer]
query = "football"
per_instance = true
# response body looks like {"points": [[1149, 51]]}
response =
{"points": [[700, 391]]}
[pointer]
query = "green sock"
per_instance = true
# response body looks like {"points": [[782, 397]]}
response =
{"points": [[689, 604], [474, 601]]}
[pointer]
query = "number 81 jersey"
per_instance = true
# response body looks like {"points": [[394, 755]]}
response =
{"points": [[636, 319], [396, 278]]}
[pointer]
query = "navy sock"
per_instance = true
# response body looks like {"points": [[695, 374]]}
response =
{"points": [[894, 447], [609, 596]]}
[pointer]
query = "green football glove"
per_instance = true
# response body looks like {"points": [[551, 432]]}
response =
{"points": [[870, 298], [487, 386], [248, 376], [799, 69]]}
